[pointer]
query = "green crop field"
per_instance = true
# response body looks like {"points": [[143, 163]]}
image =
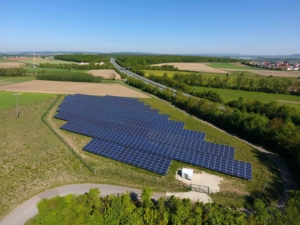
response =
{"points": [[231, 66], [7, 99], [33, 159], [14, 80], [222, 75]]}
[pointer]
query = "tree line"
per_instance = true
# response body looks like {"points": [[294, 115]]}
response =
{"points": [[271, 109], [144, 60], [282, 136], [278, 85], [90, 66], [69, 76], [165, 80], [84, 58], [13, 72], [91, 209]]}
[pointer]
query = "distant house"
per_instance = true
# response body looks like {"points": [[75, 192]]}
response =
{"points": [[82, 63]]}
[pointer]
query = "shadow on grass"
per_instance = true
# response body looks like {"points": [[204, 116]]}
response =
{"points": [[271, 187]]}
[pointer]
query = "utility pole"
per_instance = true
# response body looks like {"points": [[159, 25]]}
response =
{"points": [[17, 105]]}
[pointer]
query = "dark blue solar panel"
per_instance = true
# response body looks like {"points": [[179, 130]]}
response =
{"points": [[126, 130]]}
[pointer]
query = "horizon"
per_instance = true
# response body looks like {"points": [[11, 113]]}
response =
{"points": [[169, 27]]}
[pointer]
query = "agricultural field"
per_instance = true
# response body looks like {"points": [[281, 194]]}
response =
{"points": [[7, 99], [224, 66], [4, 64], [34, 159], [60, 87], [229, 95], [39, 60], [250, 74], [274, 73], [199, 67], [107, 74], [14, 80]]}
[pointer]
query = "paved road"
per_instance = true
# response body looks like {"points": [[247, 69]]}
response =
{"points": [[28, 209], [147, 81]]}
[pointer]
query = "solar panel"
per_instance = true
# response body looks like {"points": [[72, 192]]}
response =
{"points": [[128, 131]]}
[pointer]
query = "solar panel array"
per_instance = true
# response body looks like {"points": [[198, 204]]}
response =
{"points": [[128, 131]]}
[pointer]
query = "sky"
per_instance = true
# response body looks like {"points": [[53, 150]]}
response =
{"points": [[269, 27]]}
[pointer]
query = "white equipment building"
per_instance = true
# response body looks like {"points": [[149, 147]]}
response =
{"points": [[187, 173]]}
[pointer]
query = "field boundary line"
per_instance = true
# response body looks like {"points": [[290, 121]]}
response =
{"points": [[62, 139]]}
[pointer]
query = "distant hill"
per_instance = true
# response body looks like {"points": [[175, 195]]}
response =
{"points": [[292, 57]]}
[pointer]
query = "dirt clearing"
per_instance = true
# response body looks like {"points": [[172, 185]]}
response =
{"points": [[274, 73], [204, 179], [57, 87], [199, 67], [107, 74], [10, 64]]}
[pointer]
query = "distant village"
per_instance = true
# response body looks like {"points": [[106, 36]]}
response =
{"points": [[275, 65]]}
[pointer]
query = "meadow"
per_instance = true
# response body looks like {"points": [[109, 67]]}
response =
{"points": [[231, 66], [33, 159], [231, 73], [7, 99], [15, 80]]}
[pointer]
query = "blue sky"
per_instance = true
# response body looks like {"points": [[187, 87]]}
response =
{"points": [[172, 27]]}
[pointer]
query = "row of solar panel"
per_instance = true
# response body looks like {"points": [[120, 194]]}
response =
{"points": [[232, 167], [159, 130], [167, 149], [100, 108], [110, 113], [120, 102], [131, 107], [146, 141], [145, 160]]}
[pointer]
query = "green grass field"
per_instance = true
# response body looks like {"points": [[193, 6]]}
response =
{"points": [[231, 66], [14, 80], [229, 95], [7, 99], [33, 159], [231, 73]]}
